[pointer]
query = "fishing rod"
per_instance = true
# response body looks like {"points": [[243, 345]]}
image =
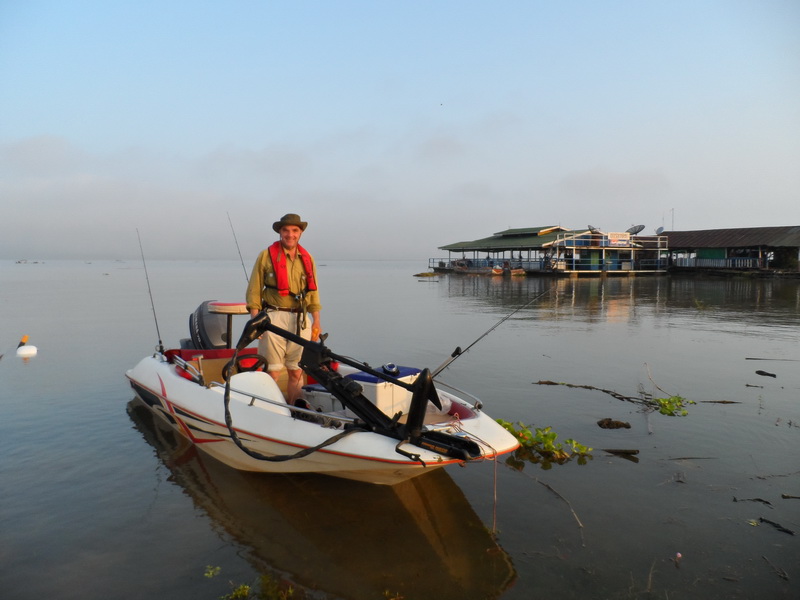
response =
{"points": [[160, 346], [458, 351], [237, 247]]}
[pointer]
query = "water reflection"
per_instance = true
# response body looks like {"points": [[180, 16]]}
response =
{"points": [[418, 539], [773, 302]]}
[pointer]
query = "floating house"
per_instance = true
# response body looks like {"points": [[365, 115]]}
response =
{"points": [[558, 250], [747, 248]]}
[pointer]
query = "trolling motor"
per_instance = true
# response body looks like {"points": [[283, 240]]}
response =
{"points": [[317, 361]]}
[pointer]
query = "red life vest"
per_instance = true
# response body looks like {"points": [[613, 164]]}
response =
{"points": [[278, 257]]}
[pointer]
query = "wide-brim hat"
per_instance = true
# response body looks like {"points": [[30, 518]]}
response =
{"points": [[290, 219]]}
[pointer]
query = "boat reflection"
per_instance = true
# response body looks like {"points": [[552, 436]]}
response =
{"points": [[417, 539]]}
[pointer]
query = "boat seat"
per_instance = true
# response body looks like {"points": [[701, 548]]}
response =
{"points": [[209, 363]]}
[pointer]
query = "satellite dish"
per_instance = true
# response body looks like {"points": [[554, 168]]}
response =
{"points": [[659, 231], [594, 229], [635, 229]]}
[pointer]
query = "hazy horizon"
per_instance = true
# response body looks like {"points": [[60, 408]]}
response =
{"points": [[392, 128]]}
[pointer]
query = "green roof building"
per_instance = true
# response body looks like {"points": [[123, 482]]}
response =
{"points": [[557, 250]]}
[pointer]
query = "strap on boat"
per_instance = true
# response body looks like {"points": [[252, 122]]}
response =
{"points": [[301, 453], [409, 455]]}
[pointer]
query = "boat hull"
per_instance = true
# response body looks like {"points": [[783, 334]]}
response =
{"points": [[272, 430]]}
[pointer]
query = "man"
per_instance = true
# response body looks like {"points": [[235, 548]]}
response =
{"points": [[284, 283]]}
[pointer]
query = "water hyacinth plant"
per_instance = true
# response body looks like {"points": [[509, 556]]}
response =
{"points": [[539, 446]]}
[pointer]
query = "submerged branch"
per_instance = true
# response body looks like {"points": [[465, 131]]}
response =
{"points": [[767, 502], [777, 526], [779, 572], [617, 395], [572, 510], [672, 406]]}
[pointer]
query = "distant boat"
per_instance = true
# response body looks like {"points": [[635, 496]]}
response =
{"points": [[467, 267]]}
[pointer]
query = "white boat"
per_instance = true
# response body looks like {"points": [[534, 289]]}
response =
{"points": [[380, 426]]}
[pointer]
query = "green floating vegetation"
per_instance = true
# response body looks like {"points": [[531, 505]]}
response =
{"points": [[539, 446], [212, 571], [240, 592], [267, 588], [674, 406]]}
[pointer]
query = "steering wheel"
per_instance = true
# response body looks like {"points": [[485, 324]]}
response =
{"points": [[237, 367]]}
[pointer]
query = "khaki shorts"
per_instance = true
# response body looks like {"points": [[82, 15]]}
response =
{"points": [[279, 351]]}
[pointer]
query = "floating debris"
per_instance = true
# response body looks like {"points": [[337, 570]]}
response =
{"points": [[766, 374], [627, 454], [623, 451], [767, 502], [777, 526], [609, 423], [722, 401]]}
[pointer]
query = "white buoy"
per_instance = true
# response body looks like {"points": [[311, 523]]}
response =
{"points": [[27, 351], [24, 350]]}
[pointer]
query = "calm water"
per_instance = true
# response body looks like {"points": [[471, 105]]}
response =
{"points": [[97, 502]]}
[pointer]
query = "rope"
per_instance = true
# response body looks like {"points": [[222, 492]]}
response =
{"points": [[457, 426]]}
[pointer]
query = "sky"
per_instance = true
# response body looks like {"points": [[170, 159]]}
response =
{"points": [[392, 127]]}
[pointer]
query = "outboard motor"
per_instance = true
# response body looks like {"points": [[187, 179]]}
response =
{"points": [[208, 330]]}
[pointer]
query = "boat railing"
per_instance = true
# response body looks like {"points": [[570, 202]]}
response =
{"points": [[475, 405], [193, 372], [294, 409], [599, 263], [718, 263], [467, 264]]}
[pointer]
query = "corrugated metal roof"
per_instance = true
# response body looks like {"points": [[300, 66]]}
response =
{"points": [[531, 230], [505, 241], [532, 238], [511, 239], [745, 237]]}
